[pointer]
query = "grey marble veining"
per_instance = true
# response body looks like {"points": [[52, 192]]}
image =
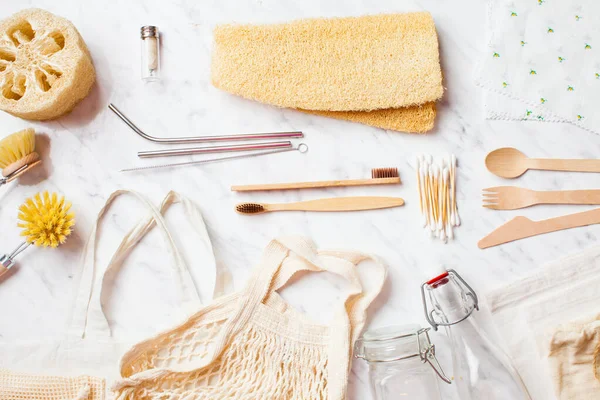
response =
{"points": [[84, 150]]}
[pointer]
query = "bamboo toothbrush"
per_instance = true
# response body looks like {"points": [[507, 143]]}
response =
{"points": [[379, 176], [332, 204], [46, 221], [17, 155]]}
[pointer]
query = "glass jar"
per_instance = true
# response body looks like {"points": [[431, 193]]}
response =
{"points": [[150, 53], [402, 363]]}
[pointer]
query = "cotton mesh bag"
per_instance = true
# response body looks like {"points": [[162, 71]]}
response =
{"points": [[77, 364], [251, 344]]}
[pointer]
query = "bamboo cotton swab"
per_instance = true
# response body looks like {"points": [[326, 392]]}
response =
{"points": [[437, 195]]}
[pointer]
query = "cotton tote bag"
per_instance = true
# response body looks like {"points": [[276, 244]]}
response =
{"points": [[252, 344], [77, 364], [529, 313]]}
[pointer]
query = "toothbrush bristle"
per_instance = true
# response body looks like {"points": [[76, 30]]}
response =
{"points": [[377, 173], [249, 208]]}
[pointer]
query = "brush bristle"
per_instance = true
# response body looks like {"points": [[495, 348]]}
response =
{"points": [[378, 173], [249, 208], [46, 220], [16, 146]]}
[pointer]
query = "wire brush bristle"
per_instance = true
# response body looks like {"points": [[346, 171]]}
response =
{"points": [[16, 146], [46, 220]]}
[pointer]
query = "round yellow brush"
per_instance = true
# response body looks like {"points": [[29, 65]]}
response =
{"points": [[17, 155], [46, 221]]}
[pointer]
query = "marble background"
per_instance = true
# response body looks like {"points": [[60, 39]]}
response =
{"points": [[84, 150]]}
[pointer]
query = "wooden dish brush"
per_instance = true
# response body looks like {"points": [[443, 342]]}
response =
{"points": [[17, 155], [46, 221]]}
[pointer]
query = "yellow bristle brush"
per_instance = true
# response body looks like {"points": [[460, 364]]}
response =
{"points": [[17, 155], [46, 221]]}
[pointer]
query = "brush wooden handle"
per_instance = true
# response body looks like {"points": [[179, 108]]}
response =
{"points": [[339, 204], [564, 165], [30, 166], [314, 185], [522, 227]]}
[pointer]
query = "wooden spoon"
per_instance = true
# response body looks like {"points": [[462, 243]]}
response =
{"points": [[511, 163]]}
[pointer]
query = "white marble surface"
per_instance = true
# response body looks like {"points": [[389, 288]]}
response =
{"points": [[83, 151]]}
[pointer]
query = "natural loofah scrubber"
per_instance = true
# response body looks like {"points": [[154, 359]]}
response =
{"points": [[45, 66], [380, 70]]}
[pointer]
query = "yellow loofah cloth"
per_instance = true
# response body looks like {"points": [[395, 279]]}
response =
{"points": [[380, 70]]}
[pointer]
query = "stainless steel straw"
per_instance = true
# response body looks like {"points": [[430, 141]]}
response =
{"points": [[302, 148], [215, 149], [205, 139]]}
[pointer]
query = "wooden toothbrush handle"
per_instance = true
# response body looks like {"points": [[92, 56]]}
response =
{"points": [[565, 165], [340, 204], [317, 184]]}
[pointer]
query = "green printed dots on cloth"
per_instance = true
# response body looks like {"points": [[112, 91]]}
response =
{"points": [[545, 62]]}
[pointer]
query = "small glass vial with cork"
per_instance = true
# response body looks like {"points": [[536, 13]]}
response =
{"points": [[150, 53]]}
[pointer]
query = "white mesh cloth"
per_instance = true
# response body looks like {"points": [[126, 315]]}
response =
{"points": [[17, 386], [251, 344], [75, 365]]}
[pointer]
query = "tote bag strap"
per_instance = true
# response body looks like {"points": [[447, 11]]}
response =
{"points": [[88, 319]]}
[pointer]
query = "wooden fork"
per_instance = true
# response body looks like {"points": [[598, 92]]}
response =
{"points": [[512, 197]]}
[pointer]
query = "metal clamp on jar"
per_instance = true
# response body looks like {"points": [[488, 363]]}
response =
{"points": [[402, 363]]}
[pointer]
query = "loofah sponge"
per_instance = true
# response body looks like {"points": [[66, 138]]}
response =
{"points": [[415, 119], [45, 66], [381, 70]]}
